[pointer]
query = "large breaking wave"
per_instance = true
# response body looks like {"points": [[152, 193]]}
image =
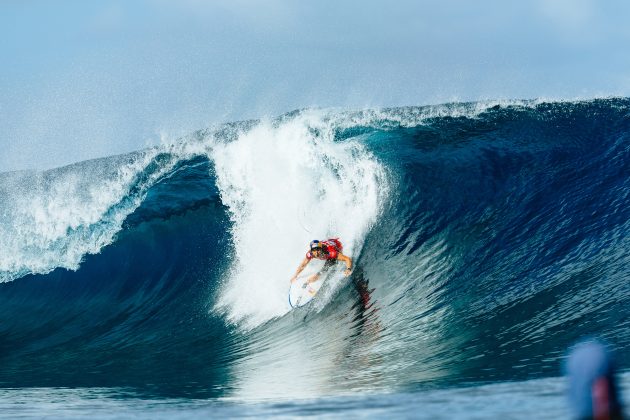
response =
{"points": [[487, 237]]}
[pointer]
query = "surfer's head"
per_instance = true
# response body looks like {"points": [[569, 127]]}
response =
{"points": [[316, 248]]}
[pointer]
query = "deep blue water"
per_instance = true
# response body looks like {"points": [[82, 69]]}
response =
{"points": [[487, 238]]}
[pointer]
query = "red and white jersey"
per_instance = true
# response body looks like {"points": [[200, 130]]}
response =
{"points": [[331, 250]]}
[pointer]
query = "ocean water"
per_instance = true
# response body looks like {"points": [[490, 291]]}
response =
{"points": [[487, 238]]}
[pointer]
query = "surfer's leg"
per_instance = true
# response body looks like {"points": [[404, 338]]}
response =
{"points": [[327, 266]]}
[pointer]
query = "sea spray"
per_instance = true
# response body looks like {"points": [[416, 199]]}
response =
{"points": [[286, 184]]}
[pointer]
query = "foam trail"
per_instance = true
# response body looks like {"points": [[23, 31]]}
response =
{"points": [[284, 186]]}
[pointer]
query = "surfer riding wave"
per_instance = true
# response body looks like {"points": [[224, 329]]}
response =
{"points": [[331, 251]]}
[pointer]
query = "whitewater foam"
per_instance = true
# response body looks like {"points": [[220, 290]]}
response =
{"points": [[286, 184]]}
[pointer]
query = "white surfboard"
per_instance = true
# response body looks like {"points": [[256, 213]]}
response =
{"points": [[301, 293]]}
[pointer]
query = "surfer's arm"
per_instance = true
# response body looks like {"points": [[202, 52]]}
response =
{"points": [[303, 264], [348, 262]]}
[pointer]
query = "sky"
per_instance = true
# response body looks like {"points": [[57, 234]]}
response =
{"points": [[86, 79]]}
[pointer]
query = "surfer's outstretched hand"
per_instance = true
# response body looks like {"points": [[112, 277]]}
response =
{"points": [[294, 278], [347, 272]]}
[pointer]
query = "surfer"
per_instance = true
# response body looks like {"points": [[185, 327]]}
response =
{"points": [[330, 251]]}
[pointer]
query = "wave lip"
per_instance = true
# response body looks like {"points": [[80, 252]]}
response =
{"points": [[53, 219]]}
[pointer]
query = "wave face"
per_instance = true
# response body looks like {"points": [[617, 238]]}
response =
{"points": [[487, 237]]}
